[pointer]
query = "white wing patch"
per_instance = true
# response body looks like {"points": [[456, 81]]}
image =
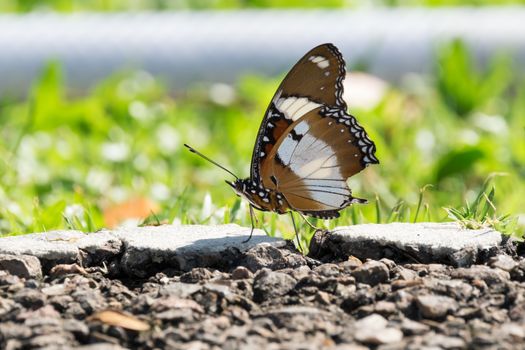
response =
{"points": [[315, 163], [302, 128], [313, 158], [287, 147], [322, 62], [307, 156], [295, 107], [315, 168]]}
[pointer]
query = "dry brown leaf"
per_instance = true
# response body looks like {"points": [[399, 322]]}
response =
{"points": [[120, 319], [136, 208], [66, 269]]}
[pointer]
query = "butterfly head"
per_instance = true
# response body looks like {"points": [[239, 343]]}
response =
{"points": [[237, 186], [242, 187], [253, 192]]}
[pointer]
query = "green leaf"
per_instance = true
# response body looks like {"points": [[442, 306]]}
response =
{"points": [[458, 162]]}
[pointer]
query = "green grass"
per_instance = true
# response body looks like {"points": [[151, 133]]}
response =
{"points": [[162, 5], [64, 160]]}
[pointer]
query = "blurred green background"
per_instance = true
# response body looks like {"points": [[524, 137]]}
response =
{"points": [[160, 5], [451, 145]]}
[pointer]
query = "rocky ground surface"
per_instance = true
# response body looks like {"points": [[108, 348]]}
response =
{"points": [[267, 297]]}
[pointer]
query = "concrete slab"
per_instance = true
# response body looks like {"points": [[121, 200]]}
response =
{"points": [[142, 248], [426, 242], [51, 246], [185, 246]]}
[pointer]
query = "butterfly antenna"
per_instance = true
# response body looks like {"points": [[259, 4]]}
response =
{"points": [[193, 150]]}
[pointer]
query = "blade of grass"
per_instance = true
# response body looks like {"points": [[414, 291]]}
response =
{"points": [[420, 200]]}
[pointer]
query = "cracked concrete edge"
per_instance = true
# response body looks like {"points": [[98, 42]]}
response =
{"points": [[187, 246], [184, 246], [448, 243], [197, 245]]}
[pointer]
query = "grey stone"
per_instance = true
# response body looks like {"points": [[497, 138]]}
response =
{"points": [[30, 298], [518, 272], [427, 242], [241, 272], [76, 327], [179, 289], [268, 256], [268, 284], [383, 307], [25, 266], [404, 273], [328, 270], [100, 346], [373, 330], [371, 272], [481, 272], [196, 275], [55, 290], [444, 342], [457, 289], [59, 339], [435, 306], [504, 262], [6, 305], [410, 327], [513, 330], [303, 318]]}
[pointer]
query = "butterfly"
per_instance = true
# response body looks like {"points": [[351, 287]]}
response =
{"points": [[308, 145]]}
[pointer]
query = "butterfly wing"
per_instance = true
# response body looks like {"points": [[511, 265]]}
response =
{"points": [[313, 159], [316, 80]]}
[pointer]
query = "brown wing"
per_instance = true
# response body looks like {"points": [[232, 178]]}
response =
{"points": [[316, 80], [311, 163]]}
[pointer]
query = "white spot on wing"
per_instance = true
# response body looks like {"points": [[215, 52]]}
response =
{"points": [[316, 59], [321, 61], [294, 108], [283, 103], [305, 109], [323, 64]]}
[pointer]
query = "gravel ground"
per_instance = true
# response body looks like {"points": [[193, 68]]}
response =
{"points": [[270, 298]]}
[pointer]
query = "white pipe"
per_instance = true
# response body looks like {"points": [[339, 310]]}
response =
{"points": [[185, 47]]}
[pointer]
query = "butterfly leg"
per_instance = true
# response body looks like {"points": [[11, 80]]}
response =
{"points": [[310, 224], [252, 216], [296, 232]]}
